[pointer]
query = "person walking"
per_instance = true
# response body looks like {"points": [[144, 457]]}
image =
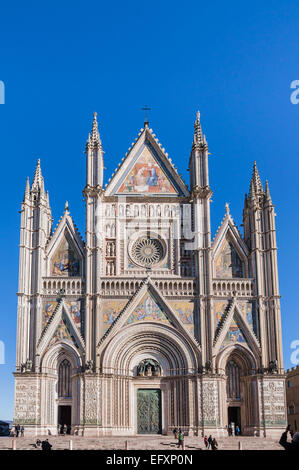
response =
{"points": [[181, 439], [17, 429], [214, 444], [206, 442], [238, 431], [175, 433], [210, 440], [22, 431]]}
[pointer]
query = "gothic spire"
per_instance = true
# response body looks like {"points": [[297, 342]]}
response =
{"points": [[256, 186], [197, 137], [38, 180], [94, 137]]}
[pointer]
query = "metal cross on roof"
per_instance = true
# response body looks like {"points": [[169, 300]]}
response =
{"points": [[146, 109]]}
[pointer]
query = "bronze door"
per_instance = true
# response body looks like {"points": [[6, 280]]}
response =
{"points": [[149, 411]]}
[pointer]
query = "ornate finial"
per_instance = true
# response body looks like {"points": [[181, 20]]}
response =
{"points": [[227, 208], [66, 206]]}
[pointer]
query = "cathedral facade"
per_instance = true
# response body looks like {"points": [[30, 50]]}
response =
{"points": [[149, 324]]}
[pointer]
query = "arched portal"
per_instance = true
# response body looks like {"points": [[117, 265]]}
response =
{"points": [[60, 394], [147, 369], [239, 396]]}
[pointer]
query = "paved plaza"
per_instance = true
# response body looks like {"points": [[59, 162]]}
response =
{"points": [[165, 443]]}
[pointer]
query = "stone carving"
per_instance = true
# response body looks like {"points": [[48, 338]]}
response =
{"points": [[210, 413], [27, 401], [274, 402], [92, 401]]}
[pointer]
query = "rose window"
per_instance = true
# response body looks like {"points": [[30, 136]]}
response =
{"points": [[147, 251]]}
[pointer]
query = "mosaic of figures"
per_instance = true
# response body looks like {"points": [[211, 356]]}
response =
{"points": [[147, 176], [111, 310], [148, 310], [65, 261], [234, 334], [228, 263], [185, 312], [61, 333], [247, 308], [74, 307]]}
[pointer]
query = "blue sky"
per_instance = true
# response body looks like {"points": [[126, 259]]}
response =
{"points": [[61, 61]]}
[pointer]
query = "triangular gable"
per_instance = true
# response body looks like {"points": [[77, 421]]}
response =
{"points": [[147, 305], [146, 176], [146, 170], [234, 329], [148, 310], [60, 327], [227, 235], [65, 250]]}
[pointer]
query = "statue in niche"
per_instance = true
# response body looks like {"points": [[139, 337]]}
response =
{"points": [[148, 368]]}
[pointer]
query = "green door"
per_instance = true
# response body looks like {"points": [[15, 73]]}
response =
{"points": [[148, 411]]}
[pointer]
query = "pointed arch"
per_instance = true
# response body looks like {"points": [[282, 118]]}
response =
{"points": [[229, 252]]}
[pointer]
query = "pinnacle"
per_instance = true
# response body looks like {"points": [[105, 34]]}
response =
{"points": [[198, 137], [199, 140], [27, 188], [94, 137], [256, 186], [267, 191], [38, 181]]}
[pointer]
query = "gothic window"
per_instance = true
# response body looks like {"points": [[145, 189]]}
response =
{"points": [[233, 380], [64, 379], [228, 263]]}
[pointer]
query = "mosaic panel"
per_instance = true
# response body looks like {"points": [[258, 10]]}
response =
{"points": [[228, 262], [148, 310], [65, 262], [111, 310], [185, 312]]}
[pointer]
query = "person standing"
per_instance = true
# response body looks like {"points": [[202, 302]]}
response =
{"points": [[206, 442], [210, 440], [22, 431], [175, 433], [181, 439]]}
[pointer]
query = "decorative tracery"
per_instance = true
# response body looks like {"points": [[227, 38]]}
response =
{"points": [[147, 252]]}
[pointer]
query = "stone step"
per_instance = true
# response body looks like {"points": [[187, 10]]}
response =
{"points": [[140, 443]]}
